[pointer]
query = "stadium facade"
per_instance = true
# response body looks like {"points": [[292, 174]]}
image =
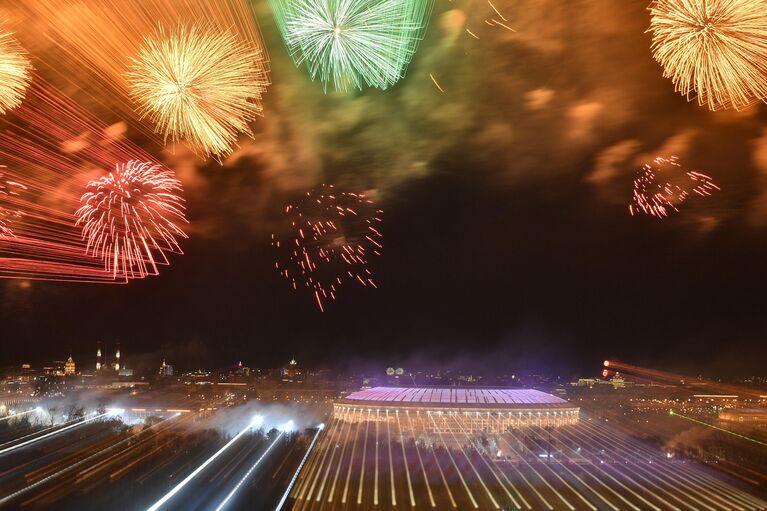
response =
{"points": [[473, 448]]}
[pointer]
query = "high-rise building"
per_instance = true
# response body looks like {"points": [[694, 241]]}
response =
{"points": [[69, 366], [99, 363]]}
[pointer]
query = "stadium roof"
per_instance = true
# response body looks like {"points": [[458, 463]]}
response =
{"points": [[454, 396]]}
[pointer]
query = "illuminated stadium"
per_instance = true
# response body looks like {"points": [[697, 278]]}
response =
{"points": [[476, 448], [431, 412]]}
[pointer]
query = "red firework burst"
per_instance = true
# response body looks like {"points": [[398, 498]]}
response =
{"points": [[331, 238], [129, 218], [662, 186]]}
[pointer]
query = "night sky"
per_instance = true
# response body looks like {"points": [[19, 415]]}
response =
{"points": [[507, 237]]}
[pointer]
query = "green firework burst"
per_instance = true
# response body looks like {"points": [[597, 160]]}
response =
{"points": [[353, 42]]}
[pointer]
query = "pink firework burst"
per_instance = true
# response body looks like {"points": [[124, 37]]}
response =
{"points": [[330, 240], [661, 187], [130, 218]]}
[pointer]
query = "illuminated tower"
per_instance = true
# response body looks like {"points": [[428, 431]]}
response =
{"points": [[117, 358], [69, 366], [98, 356]]}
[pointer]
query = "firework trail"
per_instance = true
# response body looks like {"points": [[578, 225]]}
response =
{"points": [[200, 85], [8, 190], [332, 237], [15, 72], [351, 42], [715, 48], [131, 213], [662, 186]]}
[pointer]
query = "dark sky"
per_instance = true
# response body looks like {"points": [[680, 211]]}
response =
{"points": [[507, 237]]}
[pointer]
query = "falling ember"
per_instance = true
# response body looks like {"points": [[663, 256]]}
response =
{"points": [[130, 216], [199, 85], [662, 186], [15, 72], [436, 84], [715, 49], [8, 190], [330, 240]]}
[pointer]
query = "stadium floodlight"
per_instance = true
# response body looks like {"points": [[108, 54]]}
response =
{"points": [[287, 427]]}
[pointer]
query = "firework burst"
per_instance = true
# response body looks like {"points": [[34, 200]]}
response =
{"points": [[351, 42], [332, 236], [129, 218], [200, 85], [715, 48], [662, 186], [15, 72], [8, 193]]}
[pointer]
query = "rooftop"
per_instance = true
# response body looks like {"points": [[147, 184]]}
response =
{"points": [[455, 396]]}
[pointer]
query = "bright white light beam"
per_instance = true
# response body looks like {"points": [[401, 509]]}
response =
{"points": [[56, 426], [247, 474], [48, 435], [19, 414], [73, 466], [255, 423], [298, 470]]}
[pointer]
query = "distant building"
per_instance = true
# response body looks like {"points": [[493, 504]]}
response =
{"points": [[291, 373], [116, 366], [69, 367], [750, 415], [99, 361], [165, 370]]}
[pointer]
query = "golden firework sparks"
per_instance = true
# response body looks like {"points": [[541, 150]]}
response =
{"points": [[200, 85], [715, 49], [15, 72]]}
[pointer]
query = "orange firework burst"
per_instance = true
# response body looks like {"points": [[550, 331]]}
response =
{"points": [[332, 237], [15, 72], [130, 217], [200, 85], [716, 49]]}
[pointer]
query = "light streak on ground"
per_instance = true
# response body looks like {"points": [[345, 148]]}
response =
{"points": [[52, 433], [56, 426], [702, 423], [585, 464], [255, 423], [248, 473], [14, 415], [298, 470], [16, 494]]}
